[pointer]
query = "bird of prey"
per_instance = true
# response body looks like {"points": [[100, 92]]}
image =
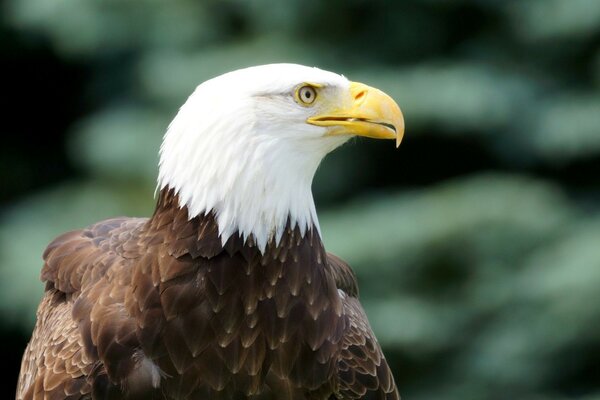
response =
{"points": [[226, 291]]}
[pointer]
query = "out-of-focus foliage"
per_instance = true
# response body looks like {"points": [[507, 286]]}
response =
{"points": [[477, 244]]}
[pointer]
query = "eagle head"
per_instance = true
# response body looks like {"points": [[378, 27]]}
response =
{"points": [[245, 145]]}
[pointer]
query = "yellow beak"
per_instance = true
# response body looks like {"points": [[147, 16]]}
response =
{"points": [[369, 112]]}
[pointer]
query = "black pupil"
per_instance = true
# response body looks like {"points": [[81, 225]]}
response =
{"points": [[307, 94]]}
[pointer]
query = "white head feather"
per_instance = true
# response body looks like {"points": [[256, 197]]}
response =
{"points": [[241, 147]]}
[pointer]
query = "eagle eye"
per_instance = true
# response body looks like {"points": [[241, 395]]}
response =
{"points": [[306, 95]]}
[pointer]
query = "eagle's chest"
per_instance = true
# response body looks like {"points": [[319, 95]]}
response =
{"points": [[233, 327]]}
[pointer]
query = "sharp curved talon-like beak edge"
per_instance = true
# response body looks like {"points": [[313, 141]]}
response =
{"points": [[370, 113]]}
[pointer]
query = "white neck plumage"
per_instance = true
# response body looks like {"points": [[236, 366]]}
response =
{"points": [[249, 193], [254, 186]]}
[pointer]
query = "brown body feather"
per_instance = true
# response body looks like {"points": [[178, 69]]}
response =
{"points": [[159, 309]]}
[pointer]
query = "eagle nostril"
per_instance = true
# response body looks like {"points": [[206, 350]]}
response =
{"points": [[360, 95]]}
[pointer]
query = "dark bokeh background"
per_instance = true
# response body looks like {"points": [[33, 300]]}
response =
{"points": [[476, 244]]}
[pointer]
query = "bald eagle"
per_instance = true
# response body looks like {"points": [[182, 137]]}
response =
{"points": [[226, 291]]}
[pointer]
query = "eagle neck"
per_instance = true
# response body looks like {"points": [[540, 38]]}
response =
{"points": [[201, 236], [259, 191]]}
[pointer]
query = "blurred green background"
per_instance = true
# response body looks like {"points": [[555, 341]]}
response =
{"points": [[476, 244]]}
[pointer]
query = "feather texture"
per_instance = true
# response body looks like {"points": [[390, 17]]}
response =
{"points": [[159, 308]]}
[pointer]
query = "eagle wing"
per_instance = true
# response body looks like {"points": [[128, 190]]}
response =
{"points": [[62, 355], [363, 372], [54, 366]]}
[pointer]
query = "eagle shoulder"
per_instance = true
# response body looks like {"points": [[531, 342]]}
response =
{"points": [[344, 276], [82, 256], [362, 370]]}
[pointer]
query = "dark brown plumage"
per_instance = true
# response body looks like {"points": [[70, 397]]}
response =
{"points": [[226, 292], [158, 308]]}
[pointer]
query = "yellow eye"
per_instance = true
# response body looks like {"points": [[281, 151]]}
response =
{"points": [[306, 95]]}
